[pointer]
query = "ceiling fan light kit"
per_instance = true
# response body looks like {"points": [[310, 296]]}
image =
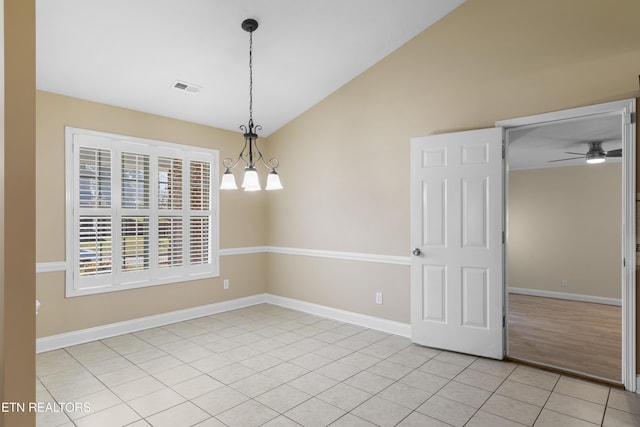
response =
{"points": [[594, 159], [595, 154]]}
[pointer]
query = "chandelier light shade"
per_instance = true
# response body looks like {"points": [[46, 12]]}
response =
{"points": [[273, 181], [228, 181], [251, 182], [250, 155]]}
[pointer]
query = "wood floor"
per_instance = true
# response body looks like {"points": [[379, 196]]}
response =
{"points": [[578, 336]]}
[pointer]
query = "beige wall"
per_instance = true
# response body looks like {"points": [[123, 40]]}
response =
{"points": [[241, 220], [17, 281], [345, 162], [341, 284], [565, 224]]}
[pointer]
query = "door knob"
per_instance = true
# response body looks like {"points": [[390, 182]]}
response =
{"points": [[416, 252]]}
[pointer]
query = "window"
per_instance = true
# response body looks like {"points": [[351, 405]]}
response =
{"points": [[139, 212]]}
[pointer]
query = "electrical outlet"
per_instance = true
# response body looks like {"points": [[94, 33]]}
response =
{"points": [[225, 284], [565, 282], [378, 297]]}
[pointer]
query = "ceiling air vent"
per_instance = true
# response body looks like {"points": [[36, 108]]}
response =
{"points": [[187, 87]]}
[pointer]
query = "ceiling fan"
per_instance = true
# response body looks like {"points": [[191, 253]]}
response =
{"points": [[595, 154]]}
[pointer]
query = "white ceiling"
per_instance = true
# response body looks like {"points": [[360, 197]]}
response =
{"points": [[531, 147], [128, 53]]}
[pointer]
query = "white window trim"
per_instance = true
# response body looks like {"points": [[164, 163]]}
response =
{"points": [[155, 276]]}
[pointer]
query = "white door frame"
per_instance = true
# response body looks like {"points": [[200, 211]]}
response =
{"points": [[627, 111]]}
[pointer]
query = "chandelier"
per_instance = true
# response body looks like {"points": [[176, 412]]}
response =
{"points": [[250, 154]]}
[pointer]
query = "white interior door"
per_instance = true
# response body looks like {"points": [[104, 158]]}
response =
{"points": [[457, 295]]}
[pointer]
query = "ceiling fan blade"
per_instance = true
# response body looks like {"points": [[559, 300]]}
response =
{"points": [[615, 153], [562, 160], [577, 154]]}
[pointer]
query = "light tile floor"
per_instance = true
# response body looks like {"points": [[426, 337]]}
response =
{"points": [[268, 365]]}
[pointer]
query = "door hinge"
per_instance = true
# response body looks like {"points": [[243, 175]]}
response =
{"points": [[629, 118], [503, 238], [503, 150], [504, 320]]}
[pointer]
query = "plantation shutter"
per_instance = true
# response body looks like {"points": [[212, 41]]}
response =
{"points": [[200, 214], [95, 212], [135, 227], [142, 212], [171, 233]]}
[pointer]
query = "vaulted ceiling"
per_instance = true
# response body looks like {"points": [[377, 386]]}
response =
{"points": [[130, 53]]}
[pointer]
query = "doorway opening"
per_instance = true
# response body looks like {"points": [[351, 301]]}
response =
{"points": [[569, 252]]}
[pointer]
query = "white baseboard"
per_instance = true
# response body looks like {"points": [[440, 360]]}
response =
{"points": [[377, 323], [67, 339], [567, 296]]}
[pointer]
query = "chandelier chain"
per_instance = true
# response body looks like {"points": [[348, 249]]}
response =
{"points": [[251, 77]]}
